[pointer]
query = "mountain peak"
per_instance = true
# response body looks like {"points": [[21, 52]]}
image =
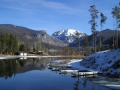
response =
{"points": [[67, 35], [71, 32], [66, 32]]}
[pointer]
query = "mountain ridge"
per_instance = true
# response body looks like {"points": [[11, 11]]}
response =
{"points": [[61, 38], [29, 36]]}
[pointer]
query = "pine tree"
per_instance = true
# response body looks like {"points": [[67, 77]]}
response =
{"points": [[11, 42], [7, 36], [116, 14], [38, 47], [77, 35], [8, 43], [94, 15], [22, 47], [86, 42], [99, 45], [0, 44], [2, 40], [102, 21], [15, 45]]}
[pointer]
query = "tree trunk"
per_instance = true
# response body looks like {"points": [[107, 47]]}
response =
{"points": [[101, 37], [95, 41], [79, 48], [116, 34]]}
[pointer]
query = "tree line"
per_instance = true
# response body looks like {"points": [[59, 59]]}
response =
{"points": [[8, 44]]}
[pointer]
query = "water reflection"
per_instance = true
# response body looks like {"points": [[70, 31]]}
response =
{"points": [[8, 68], [97, 83], [112, 83], [80, 80], [32, 64], [76, 85], [11, 67], [84, 83], [40, 78]]}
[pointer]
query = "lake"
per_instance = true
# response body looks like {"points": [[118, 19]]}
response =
{"points": [[33, 74]]}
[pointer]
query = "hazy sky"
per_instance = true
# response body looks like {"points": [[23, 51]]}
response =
{"points": [[54, 15]]}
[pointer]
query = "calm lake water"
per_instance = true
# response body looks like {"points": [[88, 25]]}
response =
{"points": [[32, 74]]}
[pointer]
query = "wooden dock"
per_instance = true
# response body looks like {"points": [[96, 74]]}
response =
{"points": [[84, 72]]}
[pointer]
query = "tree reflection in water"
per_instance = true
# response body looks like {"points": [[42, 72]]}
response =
{"points": [[76, 85], [8, 68], [82, 81], [22, 63], [11, 67]]}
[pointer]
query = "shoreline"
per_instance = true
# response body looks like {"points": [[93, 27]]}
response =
{"points": [[33, 56], [13, 57]]}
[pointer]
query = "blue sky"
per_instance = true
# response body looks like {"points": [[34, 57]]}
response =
{"points": [[54, 15]]}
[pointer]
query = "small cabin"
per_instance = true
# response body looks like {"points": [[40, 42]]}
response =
{"points": [[21, 53], [40, 52]]}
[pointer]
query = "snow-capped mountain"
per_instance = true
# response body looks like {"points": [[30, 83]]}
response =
{"points": [[67, 36]]}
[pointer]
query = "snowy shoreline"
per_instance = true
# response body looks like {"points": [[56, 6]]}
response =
{"points": [[76, 64], [106, 62]]}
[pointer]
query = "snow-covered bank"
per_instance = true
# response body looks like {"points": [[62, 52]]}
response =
{"points": [[106, 62]]}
